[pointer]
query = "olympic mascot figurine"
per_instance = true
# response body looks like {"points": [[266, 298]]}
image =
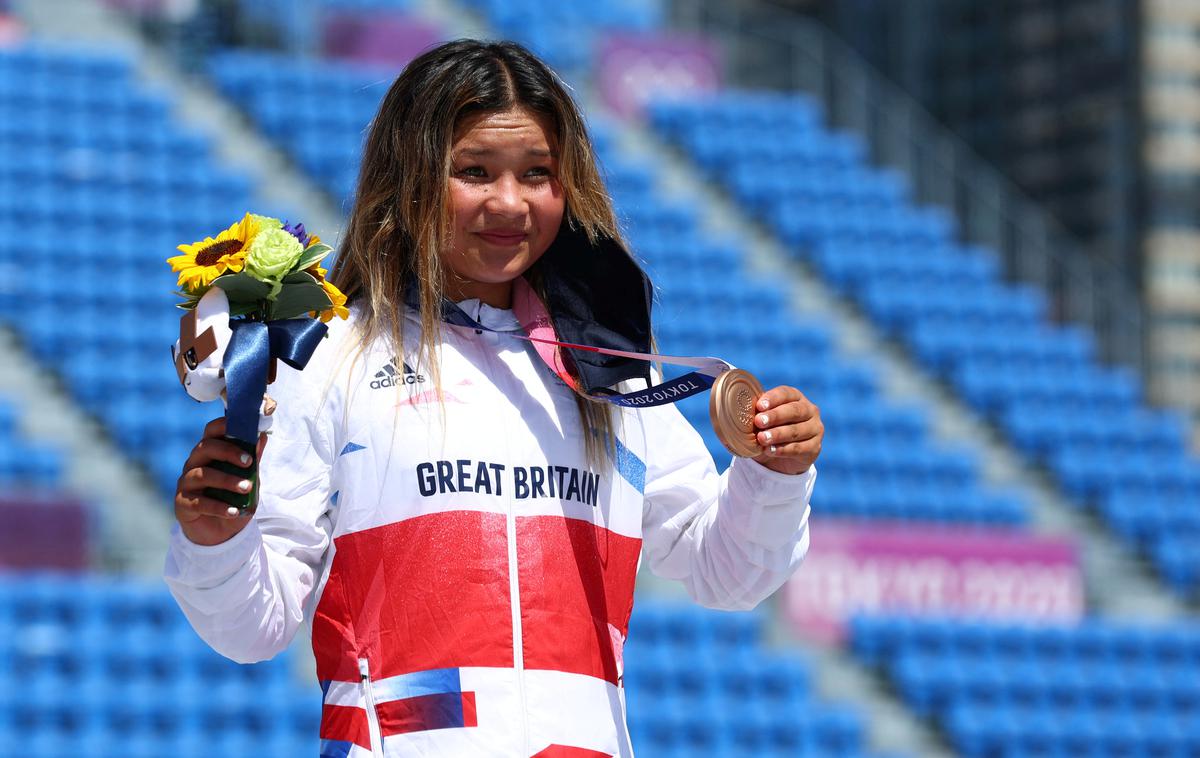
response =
{"points": [[199, 352]]}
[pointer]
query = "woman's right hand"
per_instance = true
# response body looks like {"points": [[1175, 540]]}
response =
{"points": [[205, 520]]}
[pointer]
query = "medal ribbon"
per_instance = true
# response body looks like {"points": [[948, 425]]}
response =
{"points": [[539, 330]]}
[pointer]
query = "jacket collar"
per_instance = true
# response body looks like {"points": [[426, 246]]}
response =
{"points": [[596, 295]]}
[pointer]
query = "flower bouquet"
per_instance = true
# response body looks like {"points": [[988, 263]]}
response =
{"points": [[254, 294]]}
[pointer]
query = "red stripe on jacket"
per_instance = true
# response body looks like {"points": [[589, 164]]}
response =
{"points": [[345, 723], [425, 593], [576, 579], [432, 592]]}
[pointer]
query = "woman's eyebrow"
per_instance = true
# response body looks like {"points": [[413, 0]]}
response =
{"points": [[485, 151]]}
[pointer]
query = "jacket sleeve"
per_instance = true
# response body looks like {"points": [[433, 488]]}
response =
{"points": [[732, 539], [247, 596]]}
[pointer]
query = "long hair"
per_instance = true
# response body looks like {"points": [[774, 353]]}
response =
{"points": [[401, 222]]}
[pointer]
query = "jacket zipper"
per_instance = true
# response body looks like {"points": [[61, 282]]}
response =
{"points": [[372, 714], [518, 634], [514, 590]]}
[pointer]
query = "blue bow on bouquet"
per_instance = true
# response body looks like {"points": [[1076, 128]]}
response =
{"points": [[248, 357]]}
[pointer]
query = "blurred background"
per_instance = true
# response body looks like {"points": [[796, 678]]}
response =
{"points": [[969, 231]]}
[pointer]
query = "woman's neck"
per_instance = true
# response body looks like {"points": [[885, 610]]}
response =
{"points": [[495, 294]]}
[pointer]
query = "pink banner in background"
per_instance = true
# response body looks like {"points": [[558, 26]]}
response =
{"points": [[11, 30], [379, 38], [855, 568], [632, 69], [43, 531]]}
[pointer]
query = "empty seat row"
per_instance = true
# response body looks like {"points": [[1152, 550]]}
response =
{"points": [[878, 639], [987, 731], [930, 681], [63, 64]]}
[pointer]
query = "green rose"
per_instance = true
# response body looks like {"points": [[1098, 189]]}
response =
{"points": [[265, 222], [272, 254]]}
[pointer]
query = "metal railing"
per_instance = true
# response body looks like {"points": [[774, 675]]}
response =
{"points": [[769, 48]]}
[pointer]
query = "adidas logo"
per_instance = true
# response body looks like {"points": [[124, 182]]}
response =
{"points": [[390, 376]]}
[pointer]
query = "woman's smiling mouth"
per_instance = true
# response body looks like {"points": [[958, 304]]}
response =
{"points": [[503, 238]]}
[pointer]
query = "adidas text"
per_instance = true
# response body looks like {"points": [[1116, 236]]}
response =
{"points": [[394, 381]]}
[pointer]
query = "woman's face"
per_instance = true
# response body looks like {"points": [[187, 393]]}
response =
{"points": [[507, 204]]}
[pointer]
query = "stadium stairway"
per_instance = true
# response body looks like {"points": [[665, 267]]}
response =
{"points": [[25, 464], [1121, 585]]}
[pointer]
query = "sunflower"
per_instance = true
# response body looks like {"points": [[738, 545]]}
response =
{"points": [[339, 308], [204, 261], [338, 300]]}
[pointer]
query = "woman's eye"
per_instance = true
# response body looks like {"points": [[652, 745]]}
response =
{"points": [[475, 172], [539, 172]]}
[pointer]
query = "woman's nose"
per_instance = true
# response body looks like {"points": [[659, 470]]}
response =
{"points": [[506, 198]]}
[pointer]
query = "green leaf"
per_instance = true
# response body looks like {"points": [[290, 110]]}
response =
{"points": [[189, 300], [298, 299], [299, 277], [244, 309], [242, 287], [313, 254]]}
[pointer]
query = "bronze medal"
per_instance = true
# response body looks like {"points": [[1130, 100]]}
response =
{"points": [[731, 409]]}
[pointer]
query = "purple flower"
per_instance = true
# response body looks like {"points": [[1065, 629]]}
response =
{"points": [[297, 231]]}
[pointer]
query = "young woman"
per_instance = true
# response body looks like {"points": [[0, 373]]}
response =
{"points": [[461, 524]]}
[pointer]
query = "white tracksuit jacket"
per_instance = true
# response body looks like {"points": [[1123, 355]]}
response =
{"points": [[469, 577]]}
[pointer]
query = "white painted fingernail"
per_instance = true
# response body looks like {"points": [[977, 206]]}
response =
{"points": [[244, 485], [772, 448], [764, 404], [245, 459], [764, 419], [767, 436], [231, 511]]}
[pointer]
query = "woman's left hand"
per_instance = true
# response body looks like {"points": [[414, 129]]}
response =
{"points": [[789, 430]]}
